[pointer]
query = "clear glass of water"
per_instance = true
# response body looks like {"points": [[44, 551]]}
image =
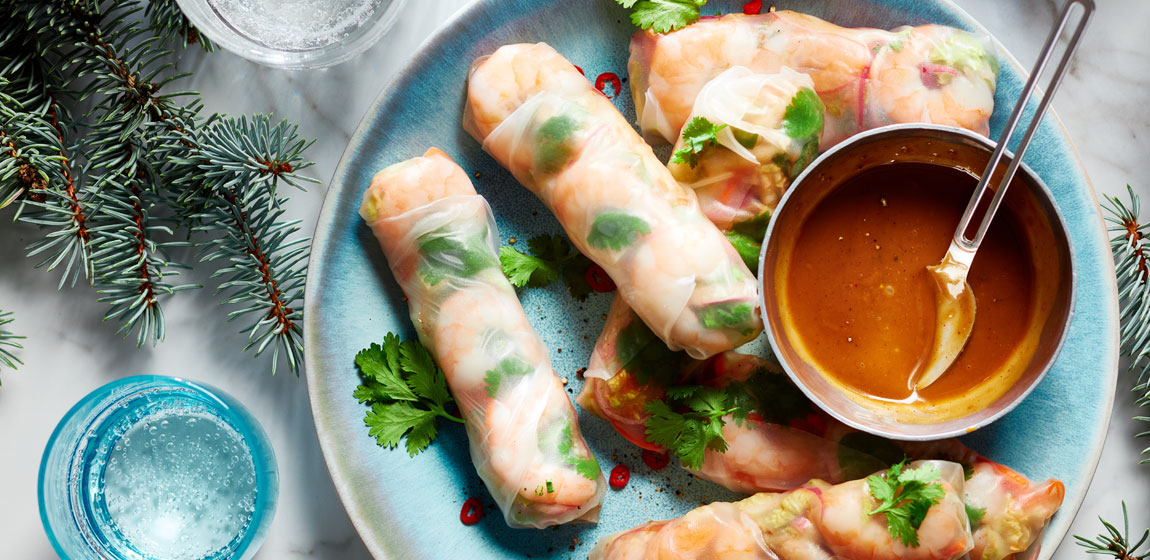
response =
{"points": [[157, 468], [294, 34]]}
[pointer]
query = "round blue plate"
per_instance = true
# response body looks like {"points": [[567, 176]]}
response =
{"points": [[409, 507]]}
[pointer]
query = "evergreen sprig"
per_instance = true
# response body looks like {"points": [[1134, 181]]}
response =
{"points": [[8, 342], [1132, 265], [140, 172], [237, 167], [1114, 543]]}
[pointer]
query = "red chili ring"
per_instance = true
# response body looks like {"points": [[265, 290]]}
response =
{"points": [[604, 79], [472, 511], [598, 280], [619, 476], [655, 460], [752, 8]]}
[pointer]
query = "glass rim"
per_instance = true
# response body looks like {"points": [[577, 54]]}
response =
{"points": [[210, 23], [93, 413]]}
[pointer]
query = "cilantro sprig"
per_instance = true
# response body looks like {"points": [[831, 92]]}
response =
{"points": [[616, 230], [699, 134], [905, 496], [662, 16], [552, 258], [406, 391], [695, 423]]}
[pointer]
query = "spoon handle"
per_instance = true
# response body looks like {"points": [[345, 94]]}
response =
{"points": [[971, 244]]}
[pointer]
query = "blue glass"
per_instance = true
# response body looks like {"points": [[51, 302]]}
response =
{"points": [[157, 468]]}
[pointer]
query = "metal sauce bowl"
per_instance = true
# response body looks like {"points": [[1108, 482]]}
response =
{"points": [[1045, 229]]}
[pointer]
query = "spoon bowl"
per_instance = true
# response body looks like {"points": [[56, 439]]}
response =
{"points": [[954, 313]]}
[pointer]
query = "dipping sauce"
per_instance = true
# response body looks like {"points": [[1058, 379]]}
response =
{"points": [[860, 300]]}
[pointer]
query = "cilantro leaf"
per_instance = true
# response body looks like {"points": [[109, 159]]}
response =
{"points": [[662, 16], [389, 422], [406, 391], [737, 315], [553, 258], [697, 136], [905, 497], [747, 236], [426, 379], [587, 467], [575, 276], [807, 154], [615, 230], [804, 116], [511, 366], [975, 516], [421, 435], [381, 364], [552, 146], [444, 254], [648, 358], [526, 270]]}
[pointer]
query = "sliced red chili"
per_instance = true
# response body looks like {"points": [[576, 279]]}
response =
{"points": [[608, 78], [598, 280], [580, 69], [472, 511], [752, 8], [655, 460], [619, 476]]}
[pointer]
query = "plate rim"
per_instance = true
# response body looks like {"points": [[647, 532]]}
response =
{"points": [[320, 238]]}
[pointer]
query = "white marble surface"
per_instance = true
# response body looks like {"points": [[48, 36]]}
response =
{"points": [[69, 352]]}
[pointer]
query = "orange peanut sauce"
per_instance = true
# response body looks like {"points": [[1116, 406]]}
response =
{"points": [[861, 302]]}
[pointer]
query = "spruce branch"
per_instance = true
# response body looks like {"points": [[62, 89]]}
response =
{"points": [[1132, 266], [113, 189], [238, 167], [8, 342], [1114, 543], [33, 152]]}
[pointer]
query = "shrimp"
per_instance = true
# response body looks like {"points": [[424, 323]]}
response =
{"points": [[440, 242], [816, 521], [1014, 510], [933, 74], [411, 184], [566, 142]]}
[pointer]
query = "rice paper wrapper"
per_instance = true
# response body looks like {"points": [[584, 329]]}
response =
{"points": [[524, 440]]}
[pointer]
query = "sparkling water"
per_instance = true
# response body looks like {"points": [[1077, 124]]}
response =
{"points": [[179, 484], [295, 24]]}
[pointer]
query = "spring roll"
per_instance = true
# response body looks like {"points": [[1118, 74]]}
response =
{"points": [[815, 521], [865, 77], [440, 241], [538, 116]]}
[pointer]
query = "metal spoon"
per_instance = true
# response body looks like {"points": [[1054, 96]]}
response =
{"points": [[955, 306]]}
